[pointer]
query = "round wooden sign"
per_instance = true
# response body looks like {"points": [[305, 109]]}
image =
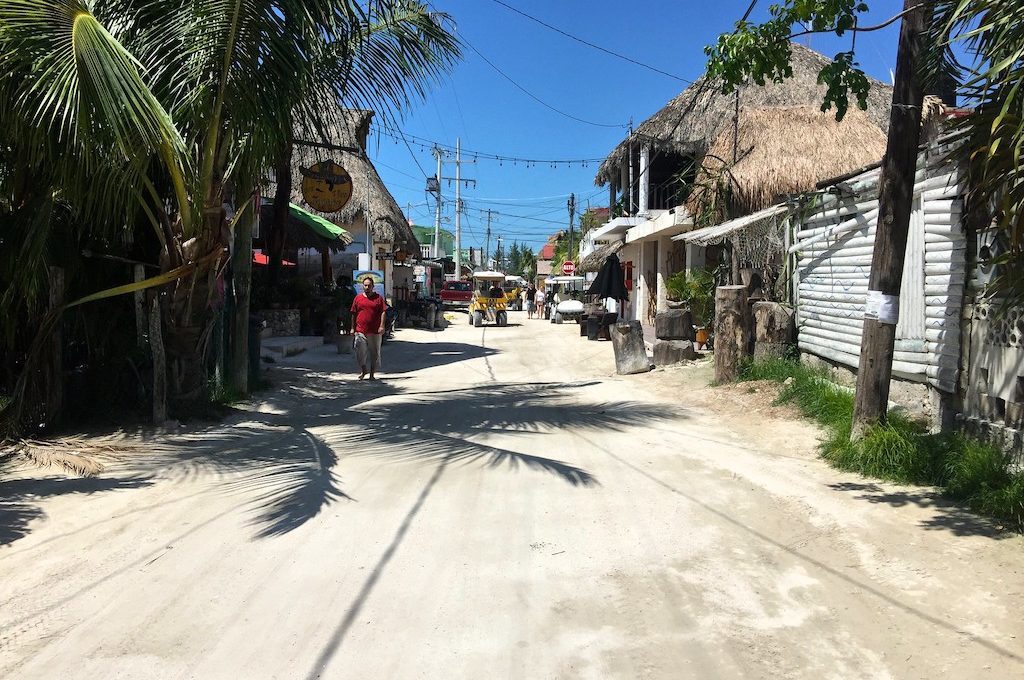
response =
{"points": [[326, 186]]}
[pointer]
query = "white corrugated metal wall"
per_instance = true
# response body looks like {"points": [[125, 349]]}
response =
{"points": [[833, 244]]}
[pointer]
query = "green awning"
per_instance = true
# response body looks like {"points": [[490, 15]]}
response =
{"points": [[318, 225]]}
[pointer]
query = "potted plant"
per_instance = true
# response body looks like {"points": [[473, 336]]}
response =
{"points": [[696, 289]]}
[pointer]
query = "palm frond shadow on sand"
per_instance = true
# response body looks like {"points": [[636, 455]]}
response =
{"points": [[283, 462]]}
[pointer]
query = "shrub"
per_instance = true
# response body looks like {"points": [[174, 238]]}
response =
{"points": [[970, 471]]}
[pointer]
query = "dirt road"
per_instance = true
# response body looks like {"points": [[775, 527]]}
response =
{"points": [[501, 505]]}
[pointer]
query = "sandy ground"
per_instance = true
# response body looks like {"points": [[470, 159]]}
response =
{"points": [[501, 505]]}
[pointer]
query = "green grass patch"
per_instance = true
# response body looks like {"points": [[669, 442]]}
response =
{"points": [[972, 472]]}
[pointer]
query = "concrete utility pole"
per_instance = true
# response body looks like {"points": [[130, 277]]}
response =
{"points": [[487, 247], [895, 203], [458, 208], [437, 212], [572, 214], [458, 205]]}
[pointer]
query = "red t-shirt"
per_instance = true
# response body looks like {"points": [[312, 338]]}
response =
{"points": [[368, 313]]}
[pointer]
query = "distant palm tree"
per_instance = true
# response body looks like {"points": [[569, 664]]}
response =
{"points": [[148, 111]]}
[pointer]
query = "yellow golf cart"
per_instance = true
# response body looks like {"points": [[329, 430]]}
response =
{"points": [[488, 303]]}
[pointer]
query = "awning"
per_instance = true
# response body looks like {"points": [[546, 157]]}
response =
{"points": [[719, 232], [322, 227]]}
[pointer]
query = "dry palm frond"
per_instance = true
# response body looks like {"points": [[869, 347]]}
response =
{"points": [[77, 456]]}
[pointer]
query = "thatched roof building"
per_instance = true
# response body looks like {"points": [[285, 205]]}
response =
{"points": [[783, 150], [592, 262], [689, 124], [371, 201]]}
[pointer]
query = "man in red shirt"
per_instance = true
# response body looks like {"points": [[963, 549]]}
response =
{"points": [[368, 327]]}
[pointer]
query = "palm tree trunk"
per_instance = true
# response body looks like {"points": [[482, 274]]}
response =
{"points": [[241, 266], [282, 197]]}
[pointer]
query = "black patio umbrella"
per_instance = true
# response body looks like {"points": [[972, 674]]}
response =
{"points": [[610, 281]]}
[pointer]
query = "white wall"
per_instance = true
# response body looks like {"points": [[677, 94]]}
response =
{"points": [[835, 241]]}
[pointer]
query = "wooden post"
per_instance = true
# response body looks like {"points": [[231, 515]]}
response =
{"points": [[895, 204], [732, 331], [141, 315], [55, 384], [156, 346]]}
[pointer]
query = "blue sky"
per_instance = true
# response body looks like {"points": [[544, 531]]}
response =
{"points": [[490, 115]]}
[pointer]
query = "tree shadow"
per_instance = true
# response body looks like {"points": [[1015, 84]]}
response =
{"points": [[18, 498], [282, 455], [283, 458], [406, 357], [948, 515]]}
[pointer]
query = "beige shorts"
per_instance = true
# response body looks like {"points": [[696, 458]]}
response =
{"points": [[367, 349]]}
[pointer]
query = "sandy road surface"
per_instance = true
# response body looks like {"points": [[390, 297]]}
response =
{"points": [[500, 506]]}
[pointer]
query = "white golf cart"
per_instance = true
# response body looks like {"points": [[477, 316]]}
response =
{"points": [[563, 296]]}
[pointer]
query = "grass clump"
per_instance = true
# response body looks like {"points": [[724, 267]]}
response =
{"points": [[975, 473]]}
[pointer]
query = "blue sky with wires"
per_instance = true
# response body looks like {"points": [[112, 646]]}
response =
{"points": [[526, 94]]}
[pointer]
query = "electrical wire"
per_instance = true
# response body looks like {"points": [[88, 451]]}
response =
{"points": [[590, 44], [535, 97], [424, 143]]}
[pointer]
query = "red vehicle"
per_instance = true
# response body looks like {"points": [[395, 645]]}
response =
{"points": [[456, 294]]}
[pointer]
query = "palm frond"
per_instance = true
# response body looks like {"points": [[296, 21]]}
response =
{"points": [[993, 35], [86, 86]]}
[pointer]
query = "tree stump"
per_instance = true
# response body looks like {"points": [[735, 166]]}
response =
{"points": [[732, 331], [628, 343], [668, 352], [674, 324], [774, 329]]}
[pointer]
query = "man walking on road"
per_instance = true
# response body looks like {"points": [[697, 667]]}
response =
{"points": [[368, 326]]}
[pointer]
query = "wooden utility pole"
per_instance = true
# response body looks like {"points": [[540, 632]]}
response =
{"points": [[896, 198]]}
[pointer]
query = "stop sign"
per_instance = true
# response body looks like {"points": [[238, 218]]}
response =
{"points": [[568, 268]]}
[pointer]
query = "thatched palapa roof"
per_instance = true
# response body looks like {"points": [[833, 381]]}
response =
{"points": [[784, 150], [371, 201], [593, 261], [692, 121]]}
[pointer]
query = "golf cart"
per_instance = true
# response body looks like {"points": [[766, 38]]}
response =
{"points": [[485, 307], [513, 286], [563, 297]]}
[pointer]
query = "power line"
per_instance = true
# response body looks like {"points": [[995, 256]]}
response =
{"points": [[425, 175], [535, 97], [425, 143], [590, 44]]}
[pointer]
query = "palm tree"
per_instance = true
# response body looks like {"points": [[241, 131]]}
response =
{"points": [[993, 34], [147, 111]]}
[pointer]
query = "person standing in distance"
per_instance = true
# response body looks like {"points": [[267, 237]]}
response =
{"points": [[368, 327], [539, 299]]}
